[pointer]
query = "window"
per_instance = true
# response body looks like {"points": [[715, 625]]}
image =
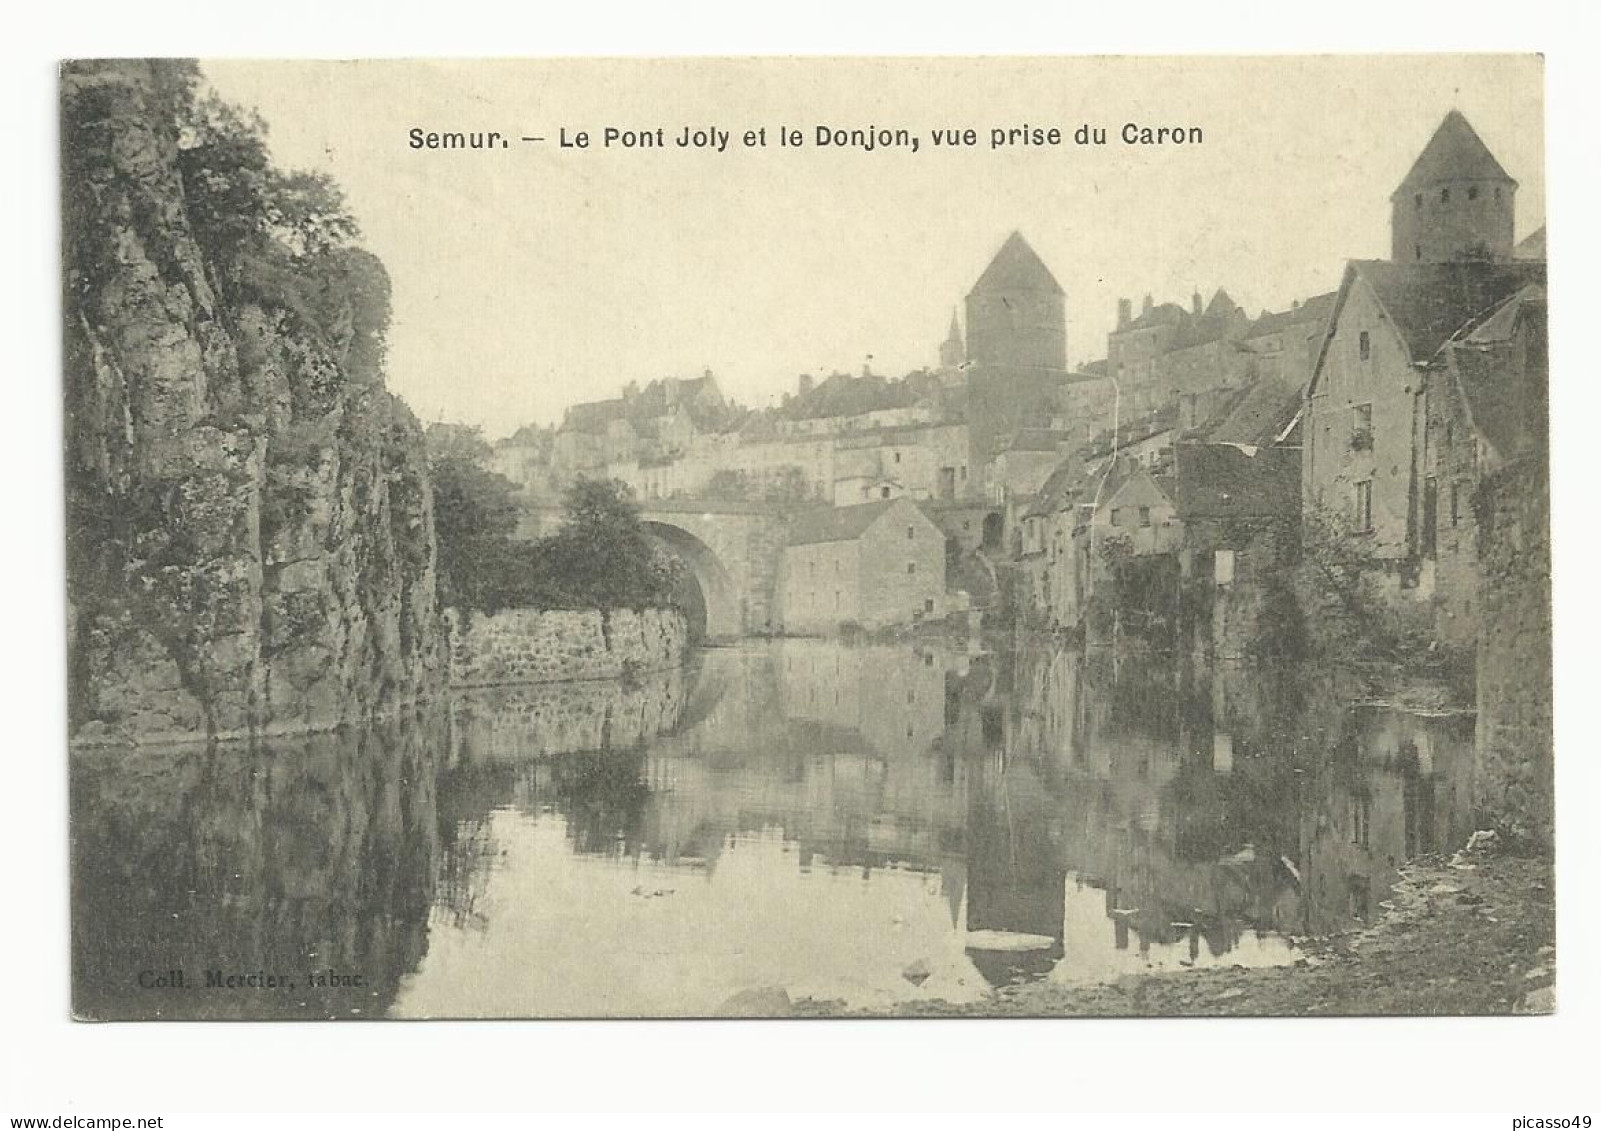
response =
{"points": [[1497, 192], [897, 457], [1473, 192], [1223, 567], [1362, 427], [1445, 196], [1456, 502], [1417, 251], [928, 604], [1418, 200], [1145, 516], [1449, 432], [911, 533], [1364, 506], [1364, 345], [883, 492], [1117, 516], [911, 568], [964, 473]]}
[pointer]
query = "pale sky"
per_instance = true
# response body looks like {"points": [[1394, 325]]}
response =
{"points": [[530, 278]]}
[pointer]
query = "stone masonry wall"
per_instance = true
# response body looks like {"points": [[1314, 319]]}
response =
{"points": [[1513, 771], [529, 646]]}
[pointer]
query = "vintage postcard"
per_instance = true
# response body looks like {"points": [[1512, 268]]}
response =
{"points": [[640, 538]]}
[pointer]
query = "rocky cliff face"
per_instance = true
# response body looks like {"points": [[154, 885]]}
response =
{"points": [[250, 534]]}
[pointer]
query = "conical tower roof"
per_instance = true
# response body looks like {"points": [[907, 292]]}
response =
{"points": [[1454, 153], [1017, 268]]}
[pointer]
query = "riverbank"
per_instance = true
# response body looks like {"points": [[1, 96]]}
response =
{"points": [[1466, 935]]}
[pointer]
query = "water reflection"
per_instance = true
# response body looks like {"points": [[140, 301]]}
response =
{"points": [[874, 823]]}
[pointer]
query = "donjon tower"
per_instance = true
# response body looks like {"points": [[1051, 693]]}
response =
{"points": [[1016, 348], [1455, 204], [1017, 313]]}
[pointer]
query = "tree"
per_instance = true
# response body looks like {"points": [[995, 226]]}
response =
{"points": [[475, 516], [602, 557]]}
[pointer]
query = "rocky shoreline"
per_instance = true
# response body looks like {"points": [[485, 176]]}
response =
{"points": [[1472, 934]]}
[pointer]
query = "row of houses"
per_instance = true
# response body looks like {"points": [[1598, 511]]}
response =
{"points": [[1423, 376]]}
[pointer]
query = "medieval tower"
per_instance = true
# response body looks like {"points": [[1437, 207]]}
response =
{"points": [[1017, 313], [1455, 204], [1016, 347]]}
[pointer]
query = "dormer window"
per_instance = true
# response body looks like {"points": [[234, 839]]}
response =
{"points": [[1445, 196]]}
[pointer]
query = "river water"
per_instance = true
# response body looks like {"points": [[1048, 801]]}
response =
{"points": [[870, 824]]}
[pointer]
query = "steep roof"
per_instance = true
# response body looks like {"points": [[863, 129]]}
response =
{"points": [[1261, 412], [1505, 387], [1016, 267], [1236, 481], [1313, 310], [844, 395], [838, 524], [1429, 302], [1166, 314], [1531, 246], [1454, 153]]}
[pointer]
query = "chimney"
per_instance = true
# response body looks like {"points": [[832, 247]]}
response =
{"points": [[1295, 304], [1195, 302], [1149, 305], [1125, 312], [804, 385]]}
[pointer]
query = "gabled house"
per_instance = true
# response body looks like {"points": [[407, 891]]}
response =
{"points": [[1240, 507], [877, 564], [1363, 426], [1486, 408]]}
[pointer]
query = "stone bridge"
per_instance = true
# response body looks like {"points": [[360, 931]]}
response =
{"points": [[731, 549]]}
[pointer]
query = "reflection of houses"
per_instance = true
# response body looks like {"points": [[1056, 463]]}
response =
{"points": [[872, 565]]}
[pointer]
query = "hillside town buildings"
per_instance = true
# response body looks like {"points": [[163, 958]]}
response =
{"points": [[1202, 435]]}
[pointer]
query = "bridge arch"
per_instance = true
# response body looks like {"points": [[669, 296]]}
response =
{"points": [[718, 613]]}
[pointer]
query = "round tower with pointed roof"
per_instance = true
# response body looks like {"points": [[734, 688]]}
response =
{"points": [[1017, 313], [1455, 204]]}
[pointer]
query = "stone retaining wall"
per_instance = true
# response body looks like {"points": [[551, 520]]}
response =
{"points": [[529, 646], [1513, 782]]}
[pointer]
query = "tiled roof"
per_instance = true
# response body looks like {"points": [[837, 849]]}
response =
{"points": [[1455, 152], [1506, 387], [1236, 481], [1167, 314], [844, 395], [1016, 267], [837, 524], [1259, 413], [1429, 302], [1313, 310]]}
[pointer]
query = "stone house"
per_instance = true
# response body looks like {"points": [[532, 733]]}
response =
{"points": [[1365, 443], [876, 564], [1240, 510], [1485, 398], [1379, 434], [1285, 343]]}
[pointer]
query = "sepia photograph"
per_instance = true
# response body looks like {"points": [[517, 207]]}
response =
{"points": [[828, 537]]}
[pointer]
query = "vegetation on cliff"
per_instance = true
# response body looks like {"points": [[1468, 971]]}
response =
{"points": [[249, 524]]}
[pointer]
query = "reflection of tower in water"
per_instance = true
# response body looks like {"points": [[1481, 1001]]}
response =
{"points": [[1016, 879]]}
